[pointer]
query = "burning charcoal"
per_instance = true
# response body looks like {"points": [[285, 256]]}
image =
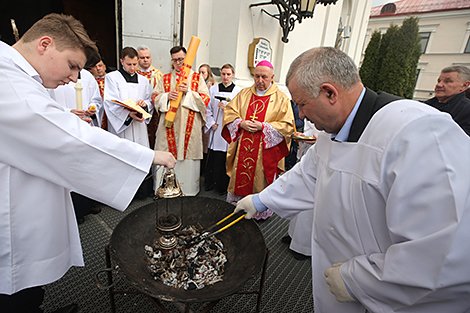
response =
{"points": [[189, 269], [179, 263]]}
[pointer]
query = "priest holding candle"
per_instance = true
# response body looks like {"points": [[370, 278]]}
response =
{"points": [[180, 125]]}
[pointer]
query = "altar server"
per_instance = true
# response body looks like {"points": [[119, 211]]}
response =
{"points": [[121, 85], [221, 94], [388, 182], [47, 151]]}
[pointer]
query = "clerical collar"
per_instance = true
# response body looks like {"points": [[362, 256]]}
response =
{"points": [[79, 75], [229, 88], [261, 93], [128, 77], [344, 131], [144, 70]]}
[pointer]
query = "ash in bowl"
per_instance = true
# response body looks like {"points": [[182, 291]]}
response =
{"points": [[188, 268]]}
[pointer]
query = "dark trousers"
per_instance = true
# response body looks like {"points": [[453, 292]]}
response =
{"points": [[146, 188], [81, 204], [24, 301], [291, 158], [216, 172]]}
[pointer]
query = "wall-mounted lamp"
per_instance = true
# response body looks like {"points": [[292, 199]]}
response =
{"points": [[291, 11]]}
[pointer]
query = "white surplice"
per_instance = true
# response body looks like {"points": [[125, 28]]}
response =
{"points": [[116, 88], [66, 95], [300, 227], [214, 115], [394, 206], [47, 152]]}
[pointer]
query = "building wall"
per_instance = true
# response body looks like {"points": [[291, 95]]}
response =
{"points": [[228, 27], [449, 34]]}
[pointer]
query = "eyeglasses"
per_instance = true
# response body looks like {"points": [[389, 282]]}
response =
{"points": [[177, 60]]}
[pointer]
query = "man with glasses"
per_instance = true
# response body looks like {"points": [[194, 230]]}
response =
{"points": [[184, 138]]}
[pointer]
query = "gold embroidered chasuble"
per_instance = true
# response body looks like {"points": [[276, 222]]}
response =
{"points": [[278, 113], [157, 74]]}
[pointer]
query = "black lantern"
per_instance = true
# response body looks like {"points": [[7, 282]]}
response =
{"points": [[291, 11]]}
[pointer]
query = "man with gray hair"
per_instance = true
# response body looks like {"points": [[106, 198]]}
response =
{"points": [[450, 95], [145, 66], [390, 226], [257, 124]]}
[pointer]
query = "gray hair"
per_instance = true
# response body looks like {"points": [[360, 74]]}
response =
{"points": [[464, 72], [143, 47], [323, 65]]}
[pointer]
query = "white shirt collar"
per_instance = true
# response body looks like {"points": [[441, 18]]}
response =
{"points": [[261, 93], [344, 131], [11, 55]]}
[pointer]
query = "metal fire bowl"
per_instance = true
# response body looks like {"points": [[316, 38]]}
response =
{"points": [[246, 249]]}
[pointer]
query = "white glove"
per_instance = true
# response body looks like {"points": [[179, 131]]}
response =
{"points": [[337, 285], [246, 204]]}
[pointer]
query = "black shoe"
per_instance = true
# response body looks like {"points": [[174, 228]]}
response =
{"points": [[80, 220], [299, 256], [72, 308], [209, 188], [286, 239]]}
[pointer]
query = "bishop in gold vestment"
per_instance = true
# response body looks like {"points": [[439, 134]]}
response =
{"points": [[258, 124]]}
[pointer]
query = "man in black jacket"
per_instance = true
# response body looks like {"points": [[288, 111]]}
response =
{"points": [[450, 95]]}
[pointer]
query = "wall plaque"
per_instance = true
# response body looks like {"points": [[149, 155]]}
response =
{"points": [[258, 51]]}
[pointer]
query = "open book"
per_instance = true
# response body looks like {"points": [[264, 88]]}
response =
{"points": [[130, 104]]}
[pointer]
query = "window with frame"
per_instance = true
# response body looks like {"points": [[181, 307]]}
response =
{"points": [[424, 41], [418, 71], [467, 47]]}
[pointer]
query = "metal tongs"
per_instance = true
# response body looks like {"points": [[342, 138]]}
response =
{"points": [[208, 233]]}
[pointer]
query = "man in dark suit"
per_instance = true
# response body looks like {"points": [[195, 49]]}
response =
{"points": [[450, 95]]}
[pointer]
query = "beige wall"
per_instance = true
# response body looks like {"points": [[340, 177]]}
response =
{"points": [[228, 27], [449, 34]]}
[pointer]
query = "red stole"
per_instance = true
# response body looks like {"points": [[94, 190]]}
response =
{"points": [[249, 147], [170, 132], [146, 74], [100, 81], [104, 121]]}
